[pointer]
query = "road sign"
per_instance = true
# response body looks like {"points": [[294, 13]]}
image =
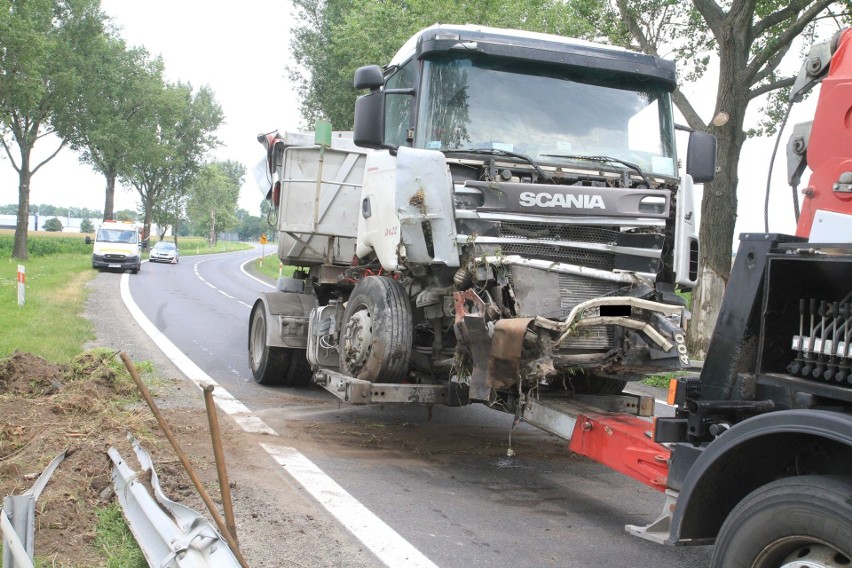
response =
{"points": [[263, 240]]}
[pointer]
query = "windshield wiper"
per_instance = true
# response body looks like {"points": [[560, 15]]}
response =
{"points": [[496, 152], [607, 159]]}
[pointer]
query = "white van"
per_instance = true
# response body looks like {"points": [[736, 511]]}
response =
{"points": [[118, 246]]}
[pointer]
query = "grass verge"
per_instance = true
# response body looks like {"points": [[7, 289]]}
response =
{"points": [[50, 323], [116, 540], [270, 266]]}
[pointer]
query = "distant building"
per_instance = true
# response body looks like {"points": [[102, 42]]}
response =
{"points": [[69, 224]]}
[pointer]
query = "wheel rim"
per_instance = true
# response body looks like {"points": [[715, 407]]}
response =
{"points": [[358, 339], [258, 340], [801, 552]]}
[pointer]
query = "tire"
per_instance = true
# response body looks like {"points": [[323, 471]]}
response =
{"points": [[795, 521], [299, 372], [274, 366], [376, 336], [268, 364]]}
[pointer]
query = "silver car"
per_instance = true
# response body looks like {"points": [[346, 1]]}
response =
{"points": [[164, 252]]}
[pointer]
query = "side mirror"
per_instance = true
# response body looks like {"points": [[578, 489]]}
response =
{"points": [[369, 77], [88, 240], [701, 157], [369, 131]]}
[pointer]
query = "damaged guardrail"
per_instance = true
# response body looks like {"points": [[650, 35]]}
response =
{"points": [[17, 520], [170, 535], [226, 533]]}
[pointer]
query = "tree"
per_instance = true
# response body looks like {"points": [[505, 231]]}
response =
{"points": [[250, 227], [750, 39], [119, 85], [213, 198], [86, 226], [43, 43], [335, 37], [53, 225], [177, 131], [126, 215]]}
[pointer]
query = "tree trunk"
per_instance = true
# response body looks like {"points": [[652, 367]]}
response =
{"points": [[212, 237], [19, 249], [149, 207], [718, 218], [109, 202]]}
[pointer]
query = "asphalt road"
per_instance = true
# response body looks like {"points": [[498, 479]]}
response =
{"points": [[443, 482]]}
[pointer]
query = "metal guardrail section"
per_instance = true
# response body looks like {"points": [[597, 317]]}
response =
{"points": [[17, 520], [170, 535]]}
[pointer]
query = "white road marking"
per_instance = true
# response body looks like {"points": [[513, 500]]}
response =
{"points": [[388, 546], [383, 541], [244, 271], [223, 398]]}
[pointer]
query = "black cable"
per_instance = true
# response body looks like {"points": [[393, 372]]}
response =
{"points": [[769, 175]]}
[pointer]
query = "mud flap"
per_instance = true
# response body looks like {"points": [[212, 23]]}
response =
{"points": [[504, 359], [476, 332]]}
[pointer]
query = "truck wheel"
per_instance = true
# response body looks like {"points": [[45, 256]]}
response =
{"points": [[299, 371], [268, 364], [376, 335], [793, 522]]}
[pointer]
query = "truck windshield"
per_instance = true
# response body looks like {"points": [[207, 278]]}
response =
{"points": [[116, 236], [554, 114]]}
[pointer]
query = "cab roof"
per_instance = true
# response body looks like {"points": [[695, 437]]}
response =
{"points": [[534, 46]]}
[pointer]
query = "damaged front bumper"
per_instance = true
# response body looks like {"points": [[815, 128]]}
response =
{"points": [[599, 321]]}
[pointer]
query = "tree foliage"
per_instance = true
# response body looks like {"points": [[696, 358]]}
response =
{"points": [[750, 40], [213, 198], [250, 227], [86, 226], [178, 129], [44, 45], [53, 225], [335, 37], [119, 87]]}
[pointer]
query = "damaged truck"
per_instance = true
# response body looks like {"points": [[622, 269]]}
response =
{"points": [[507, 217], [508, 226]]}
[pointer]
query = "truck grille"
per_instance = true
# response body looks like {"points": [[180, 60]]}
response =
{"points": [[601, 261], [557, 232]]}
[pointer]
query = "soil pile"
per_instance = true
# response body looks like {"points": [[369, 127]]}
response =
{"points": [[82, 408]]}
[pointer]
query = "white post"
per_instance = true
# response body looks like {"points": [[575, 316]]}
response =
{"points": [[22, 278]]}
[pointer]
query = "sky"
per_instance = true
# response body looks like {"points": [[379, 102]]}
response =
{"points": [[240, 51]]}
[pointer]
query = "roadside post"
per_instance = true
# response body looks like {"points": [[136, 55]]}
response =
{"points": [[263, 242], [22, 279]]}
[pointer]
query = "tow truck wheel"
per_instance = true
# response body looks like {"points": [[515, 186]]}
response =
{"points": [[795, 522], [376, 339], [268, 364]]}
